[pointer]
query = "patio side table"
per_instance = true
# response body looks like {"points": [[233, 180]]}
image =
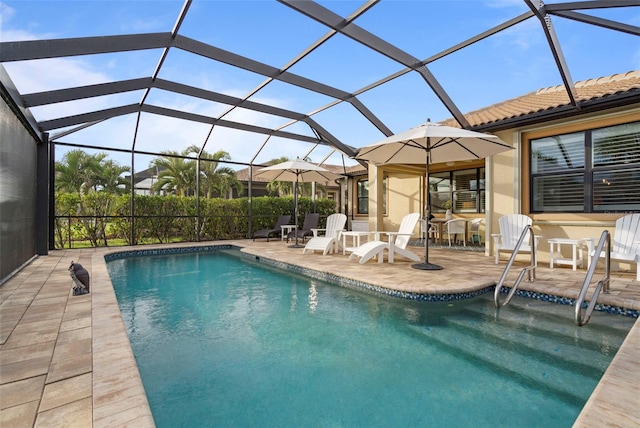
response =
{"points": [[555, 252], [286, 229], [355, 239]]}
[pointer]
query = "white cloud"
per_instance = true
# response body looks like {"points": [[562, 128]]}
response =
{"points": [[8, 34], [16, 35], [142, 26], [523, 35], [156, 133], [6, 14], [54, 73]]}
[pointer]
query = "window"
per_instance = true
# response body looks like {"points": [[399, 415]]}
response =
{"points": [[363, 196], [590, 171], [440, 192], [462, 191]]}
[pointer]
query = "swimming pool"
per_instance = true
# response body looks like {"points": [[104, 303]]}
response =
{"points": [[224, 341]]}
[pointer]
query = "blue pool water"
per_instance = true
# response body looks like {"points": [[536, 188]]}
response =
{"points": [[221, 340]]}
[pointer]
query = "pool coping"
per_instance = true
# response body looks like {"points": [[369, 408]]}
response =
{"points": [[436, 297]]}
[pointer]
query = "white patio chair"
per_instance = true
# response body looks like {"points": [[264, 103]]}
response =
{"points": [[455, 227], [625, 242], [427, 230], [397, 243], [474, 230], [329, 242], [511, 227]]}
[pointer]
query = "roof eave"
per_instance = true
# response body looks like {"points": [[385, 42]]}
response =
{"points": [[562, 112]]}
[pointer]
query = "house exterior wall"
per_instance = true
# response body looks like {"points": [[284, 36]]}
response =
{"points": [[403, 196], [554, 225], [507, 182], [376, 220]]}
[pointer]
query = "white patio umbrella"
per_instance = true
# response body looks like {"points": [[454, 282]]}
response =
{"points": [[297, 171], [435, 144]]}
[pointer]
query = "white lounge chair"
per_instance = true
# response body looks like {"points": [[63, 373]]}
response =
{"points": [[328, 242], [625, 242], [511, 227], [395, 246]]}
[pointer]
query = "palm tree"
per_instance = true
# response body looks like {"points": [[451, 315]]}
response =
{"points": [[78, 171], [176, 174], [111, 179], [213, 177], [224, 181], [95, 177]]}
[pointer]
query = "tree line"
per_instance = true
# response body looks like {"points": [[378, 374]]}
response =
{"points": [[93, 202], [81, 172]]}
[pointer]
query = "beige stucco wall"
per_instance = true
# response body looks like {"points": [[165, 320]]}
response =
{"points": [[403, 197], [507, 179], [503, 190]]}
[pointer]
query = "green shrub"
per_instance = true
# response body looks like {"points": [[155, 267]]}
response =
{"points": [[102, 218]]}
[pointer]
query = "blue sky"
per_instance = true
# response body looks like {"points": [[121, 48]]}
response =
{"points": [[512, 63]]}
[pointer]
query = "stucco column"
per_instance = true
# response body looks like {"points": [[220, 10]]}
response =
{"points": [[376, 178]]}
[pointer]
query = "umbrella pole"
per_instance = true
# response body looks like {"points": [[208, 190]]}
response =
{"points": [[295, 212], [426, 265]]}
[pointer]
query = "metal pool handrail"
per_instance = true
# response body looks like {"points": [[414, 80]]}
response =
{"points": [[603, 284], [531, 269]]}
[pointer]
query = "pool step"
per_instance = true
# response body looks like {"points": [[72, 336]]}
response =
{"points": [[565, 314], [540, 344], [539, 322], [545, 375], [545, 329]]}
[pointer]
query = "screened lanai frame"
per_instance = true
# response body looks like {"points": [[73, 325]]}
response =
{"points": [[313, 136]]}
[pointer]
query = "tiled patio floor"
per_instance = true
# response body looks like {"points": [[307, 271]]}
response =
{"points": [[66, 360]]}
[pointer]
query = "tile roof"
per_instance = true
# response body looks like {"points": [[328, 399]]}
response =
{"points": [[243, 175], [555, 101]]}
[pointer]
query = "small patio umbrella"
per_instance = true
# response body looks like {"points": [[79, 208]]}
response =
{"points": [[297, 171], [437, 143]]}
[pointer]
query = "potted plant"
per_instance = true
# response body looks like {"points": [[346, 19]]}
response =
{"points": [[447, 205]]}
